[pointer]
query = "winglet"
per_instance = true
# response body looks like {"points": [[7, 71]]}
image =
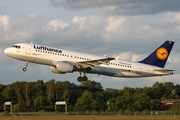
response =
{"points": [[160, 55]]}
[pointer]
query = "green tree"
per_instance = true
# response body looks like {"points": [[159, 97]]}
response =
{"points": [[89, 97], [176, 107], [51, 93], [92, 86], [2, 98], [9, 94], [40, 97], [84, 102]]}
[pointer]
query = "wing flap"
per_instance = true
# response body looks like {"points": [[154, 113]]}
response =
{"points": [[88, 64], [92, 63]]}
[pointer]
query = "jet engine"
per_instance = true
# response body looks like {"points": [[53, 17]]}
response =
{"points": [[62, 67], [54, 70]]}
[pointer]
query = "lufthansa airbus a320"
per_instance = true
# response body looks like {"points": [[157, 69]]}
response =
{"points": [[63, 61]]}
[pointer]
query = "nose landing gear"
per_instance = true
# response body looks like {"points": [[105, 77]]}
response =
{"points": [[25, 68]]}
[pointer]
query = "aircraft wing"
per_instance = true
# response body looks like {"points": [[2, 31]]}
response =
{"points": [[92, 63]]}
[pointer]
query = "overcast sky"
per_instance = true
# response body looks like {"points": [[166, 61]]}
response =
{"points": [[126, 29]]}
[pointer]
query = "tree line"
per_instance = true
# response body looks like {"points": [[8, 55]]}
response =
{"points": [[87, 97]]}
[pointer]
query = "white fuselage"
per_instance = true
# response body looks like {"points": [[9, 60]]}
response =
{"points": [[48, 55]]}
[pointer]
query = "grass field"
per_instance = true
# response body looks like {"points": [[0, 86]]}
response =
{"points": [[89, 117]]}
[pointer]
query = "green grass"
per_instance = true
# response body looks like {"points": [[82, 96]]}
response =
{"points": [[82, 117]]}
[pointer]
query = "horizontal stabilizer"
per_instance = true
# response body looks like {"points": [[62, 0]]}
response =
{"points": [[163, 70]]}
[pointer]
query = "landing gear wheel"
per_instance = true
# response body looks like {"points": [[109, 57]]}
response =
{"points": [[84, 78], [79, 79], [24, 69]]}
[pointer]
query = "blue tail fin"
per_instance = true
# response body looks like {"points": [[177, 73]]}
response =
{"points": [[160, 55]]}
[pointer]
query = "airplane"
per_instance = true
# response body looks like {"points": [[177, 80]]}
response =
{"points": [[63, 61]]}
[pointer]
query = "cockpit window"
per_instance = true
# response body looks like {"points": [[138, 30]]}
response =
{"points": [[16, 46]]}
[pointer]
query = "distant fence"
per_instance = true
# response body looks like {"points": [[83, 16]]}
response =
{"points": [[32, 113]]}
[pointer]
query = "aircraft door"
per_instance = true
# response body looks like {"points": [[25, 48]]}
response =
{"points": [[28, 49]]}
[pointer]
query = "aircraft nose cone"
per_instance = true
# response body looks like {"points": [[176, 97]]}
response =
{"points": [[6, 51], [9, 52]]}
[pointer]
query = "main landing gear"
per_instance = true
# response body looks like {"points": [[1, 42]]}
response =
{"points": [[25, 68], [81, 79]]}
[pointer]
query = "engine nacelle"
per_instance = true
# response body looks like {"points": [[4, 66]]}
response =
{"points": [[54, 70], [64, 67]]}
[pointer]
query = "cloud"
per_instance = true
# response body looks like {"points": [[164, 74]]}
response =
{"points": [[130, 56], [172, 78], [89, 22], [104, 78], [4, 22], [57, 24], [121, 7], [139, 7], [80, 4], [175, 16], [114, 24], [19, 30], [95, 31], [1, 54]]}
